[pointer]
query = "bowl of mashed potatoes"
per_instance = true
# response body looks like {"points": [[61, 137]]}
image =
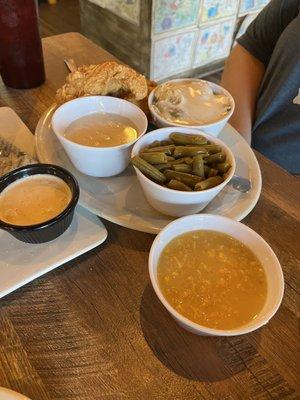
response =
{"points": [[215, 276], [193, 103]]}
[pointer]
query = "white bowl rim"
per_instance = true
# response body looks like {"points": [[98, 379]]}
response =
{"points": [[166, 121], [201, 328], [119, 147], [193, 193]]}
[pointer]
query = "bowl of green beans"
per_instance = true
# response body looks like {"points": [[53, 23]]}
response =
{"points": [[181, 169]]}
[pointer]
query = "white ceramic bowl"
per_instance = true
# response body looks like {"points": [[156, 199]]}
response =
{"points": [[244, 234], [175, 202], [213, 129], [97, 161]]}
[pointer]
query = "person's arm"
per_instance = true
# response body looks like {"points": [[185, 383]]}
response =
{"points": [[246, 64], [242, 77]]}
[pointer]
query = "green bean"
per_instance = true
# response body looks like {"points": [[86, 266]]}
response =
{"points": [[170, 159], [182, 168], [156, 143], [212, 172], [185, 151], [182, 139], [198, 166], [188, 160], [162, 167], [183, 177], [209, 183], [206, 170], [168, 150], [148, 169], [212, 148], [215, 158], [183, 160], [166, 142], [222, 167], [177, 185], [154, 158]]}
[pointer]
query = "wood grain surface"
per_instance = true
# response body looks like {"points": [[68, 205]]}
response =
{"points": [[94, 329]]}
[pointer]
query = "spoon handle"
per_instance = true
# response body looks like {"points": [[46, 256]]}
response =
{"points": [[241, 184]]}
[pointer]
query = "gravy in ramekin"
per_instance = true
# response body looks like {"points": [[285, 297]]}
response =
{"points": [[34, 199]]}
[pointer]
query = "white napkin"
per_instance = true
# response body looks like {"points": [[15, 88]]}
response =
{"points": [[16, 142]]}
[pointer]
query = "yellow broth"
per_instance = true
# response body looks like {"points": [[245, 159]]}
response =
{"points": [[101, 130], [212, 279]]}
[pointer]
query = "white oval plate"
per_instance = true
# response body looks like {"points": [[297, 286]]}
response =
{"points": [[120, 199], [7, 394]]}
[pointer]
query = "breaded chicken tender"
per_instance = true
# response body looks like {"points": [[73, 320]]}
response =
{"points": [[107, 79]]}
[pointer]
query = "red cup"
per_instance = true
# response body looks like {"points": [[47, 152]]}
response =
{"points": [[21, 55]]}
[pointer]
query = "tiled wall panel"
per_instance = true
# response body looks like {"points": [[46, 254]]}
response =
{"points": [[247, 6], [214, 9], [214, 42], [172, 54], [169, 15]]}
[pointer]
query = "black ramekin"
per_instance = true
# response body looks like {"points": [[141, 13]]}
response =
{"points": [[51, 229]]}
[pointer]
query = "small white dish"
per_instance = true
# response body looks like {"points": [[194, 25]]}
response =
{"points": [[97, 161], [240, 232], [8, 394], [212, 129], [177, 203], [21, 262], [120, 199], [15, 132], [16, 142]]}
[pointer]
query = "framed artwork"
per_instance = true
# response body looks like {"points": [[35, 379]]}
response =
{"points": [[214, 42], [172, 54], [126, 9], [247, 6], [174, 14], [214, 9]]}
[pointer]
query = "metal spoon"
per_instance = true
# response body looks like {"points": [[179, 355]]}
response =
{"points": [[241, 184]]}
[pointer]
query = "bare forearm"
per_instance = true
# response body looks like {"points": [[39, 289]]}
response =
{"points": [[242, 78]]}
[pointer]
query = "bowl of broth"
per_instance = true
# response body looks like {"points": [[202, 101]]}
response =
{"points": [[37, 202], [191, 102], [98, 133], [215, 276]]}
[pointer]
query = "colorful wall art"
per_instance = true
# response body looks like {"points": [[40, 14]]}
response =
{"points": [[174, 14], [172, 54], [214, 42], [213, 9], [247, 6]]}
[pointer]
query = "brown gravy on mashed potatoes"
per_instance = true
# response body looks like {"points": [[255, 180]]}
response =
{"points": [[34, 199], [190, 102], [101, 130], [212, 279]]}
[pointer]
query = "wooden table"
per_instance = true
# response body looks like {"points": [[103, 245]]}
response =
{"points": [[94, 329]]}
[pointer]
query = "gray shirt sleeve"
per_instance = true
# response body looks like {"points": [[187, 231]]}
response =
{"points": [[262, 34]]}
